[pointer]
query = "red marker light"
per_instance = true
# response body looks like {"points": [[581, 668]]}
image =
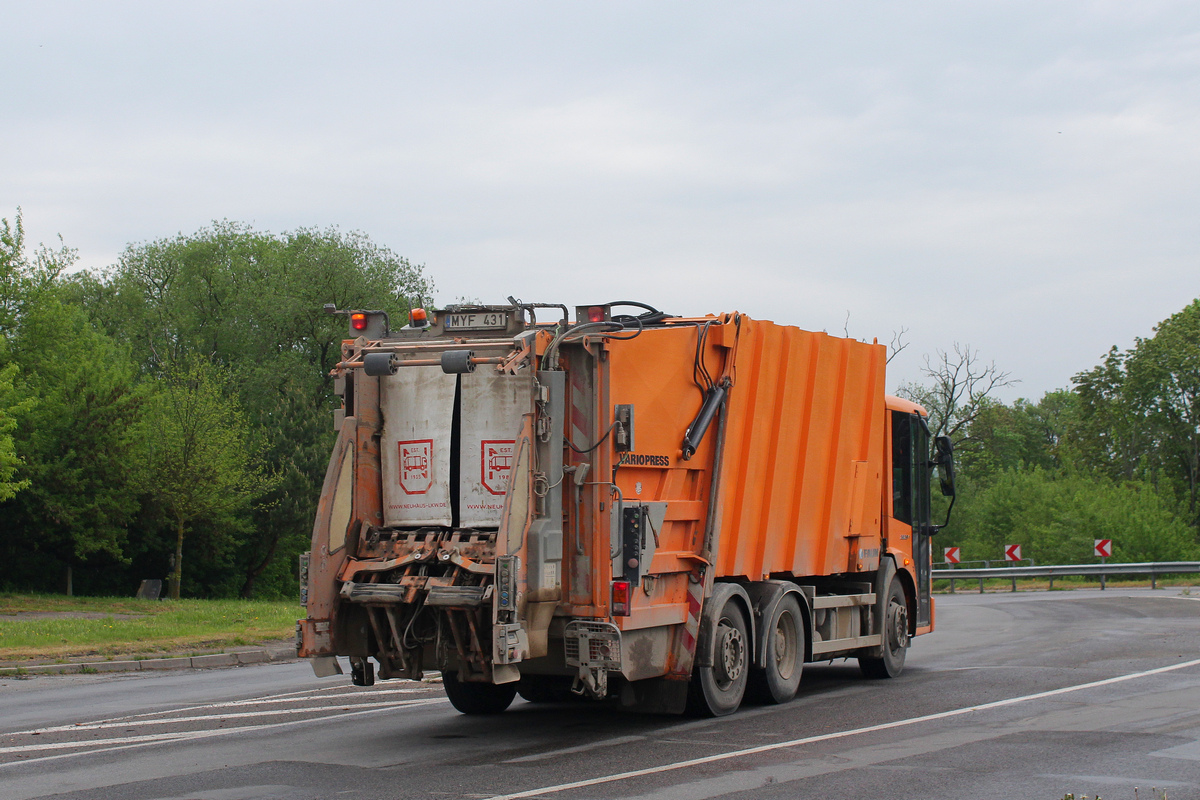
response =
{"points": [[596, 314], [621, 598], [358, 321]]}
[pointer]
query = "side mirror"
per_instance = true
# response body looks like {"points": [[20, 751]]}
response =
{"points": [[945, 464]]}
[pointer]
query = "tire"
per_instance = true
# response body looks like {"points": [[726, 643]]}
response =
{"points": [[717, 690], [783, 644], [895, 637], [478, 698]]}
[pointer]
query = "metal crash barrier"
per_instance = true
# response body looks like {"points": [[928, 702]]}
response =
{"points": [[1151, 568]]}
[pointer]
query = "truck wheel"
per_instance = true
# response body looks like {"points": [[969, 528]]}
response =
{"points": [[895, 638], [478, 698], [784, 649], [717, 690]]}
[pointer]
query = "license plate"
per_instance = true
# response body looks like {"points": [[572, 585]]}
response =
{"points": [[476, 321]]}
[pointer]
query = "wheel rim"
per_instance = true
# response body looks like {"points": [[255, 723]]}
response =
{"points": [[897, 620], [785, 645], [731, 654]]}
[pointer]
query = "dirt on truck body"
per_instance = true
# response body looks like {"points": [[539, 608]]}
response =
{"points": [[667, 512]]}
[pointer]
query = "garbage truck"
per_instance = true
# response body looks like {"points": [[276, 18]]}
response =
{"points": [[666, 513]]}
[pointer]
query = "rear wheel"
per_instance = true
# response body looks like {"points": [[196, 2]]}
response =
{"points": [[478, 698], [717, 690], [783, 644], [895, 637]]}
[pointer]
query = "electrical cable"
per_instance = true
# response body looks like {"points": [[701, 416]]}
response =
{"points": [[597, 444]]}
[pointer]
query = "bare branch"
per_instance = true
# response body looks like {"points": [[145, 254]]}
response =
{"points": [[961, 388], [897, 345]]}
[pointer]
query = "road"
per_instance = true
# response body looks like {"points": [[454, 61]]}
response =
{"points": [[1027, 695]]}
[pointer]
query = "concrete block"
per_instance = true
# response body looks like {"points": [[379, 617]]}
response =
{"points": [[53, 669], [214, 660], [253, 657], [166, 663], [112, 666]]}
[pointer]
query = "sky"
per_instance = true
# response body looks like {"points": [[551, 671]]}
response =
{"points": [[1017, 178]]}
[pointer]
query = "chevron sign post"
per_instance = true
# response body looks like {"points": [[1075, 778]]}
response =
{"points": [[1103, 548], [951, 555], [1012, 552]]}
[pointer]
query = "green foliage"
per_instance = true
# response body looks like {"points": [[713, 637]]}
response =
{"points": [[10, 409], [1117, 458], [200, 460], [23, 280], [1022, 434], [1139, 413], [1056, 517], [253, 303], [75, 435]]}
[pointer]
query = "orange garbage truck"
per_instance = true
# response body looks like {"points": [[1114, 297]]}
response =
{"points": [[668, 513]]}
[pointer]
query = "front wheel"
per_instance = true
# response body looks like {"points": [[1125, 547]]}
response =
{"points": [[895, 637], [717, 690], [478, 698]]}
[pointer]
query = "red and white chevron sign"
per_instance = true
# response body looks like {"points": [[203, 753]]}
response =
{"points": [[951, 555], [1012, 552], [1103, 548]]}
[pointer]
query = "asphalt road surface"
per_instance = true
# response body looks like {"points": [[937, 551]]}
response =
{"points": [[1028, 695]]}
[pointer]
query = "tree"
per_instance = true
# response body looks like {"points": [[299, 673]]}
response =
{"points": [[960, 389], [1163, 382], [1139, 411], [251, 302], [1020, 435], [10, 408], [1055, 516], [75, 438], [1107, 435], [23, 280], [201, 462]]}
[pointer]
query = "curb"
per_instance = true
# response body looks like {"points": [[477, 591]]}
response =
{"points": [[211, 661]]}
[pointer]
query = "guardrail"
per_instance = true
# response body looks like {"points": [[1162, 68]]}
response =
{"points": [[1151, 568]]}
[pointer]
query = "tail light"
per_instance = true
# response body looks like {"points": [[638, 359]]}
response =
{"points": [[358, 321], [622, 596], [597, 313]]}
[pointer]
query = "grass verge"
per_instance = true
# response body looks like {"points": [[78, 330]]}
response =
{"points": [[56, 627]]}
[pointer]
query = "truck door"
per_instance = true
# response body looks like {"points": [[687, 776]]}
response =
{"points": [[911, 502], [922, 516]]}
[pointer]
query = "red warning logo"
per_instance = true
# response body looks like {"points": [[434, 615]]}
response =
{"points": [[416, 466], [496, 460]]}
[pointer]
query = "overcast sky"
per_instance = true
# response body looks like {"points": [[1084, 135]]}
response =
{"points": [[1020, 177]]}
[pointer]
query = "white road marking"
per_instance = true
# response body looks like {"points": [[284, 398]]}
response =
{"points": [[581, 748], [125, 723], [123, 743], [766, 748], [290, 697]]}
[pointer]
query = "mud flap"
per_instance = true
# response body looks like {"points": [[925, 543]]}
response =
{"points": [[505, 673], [325, 666], [655, 695]]}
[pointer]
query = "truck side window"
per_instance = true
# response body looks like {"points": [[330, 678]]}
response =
{"points": [[902, 467]]}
